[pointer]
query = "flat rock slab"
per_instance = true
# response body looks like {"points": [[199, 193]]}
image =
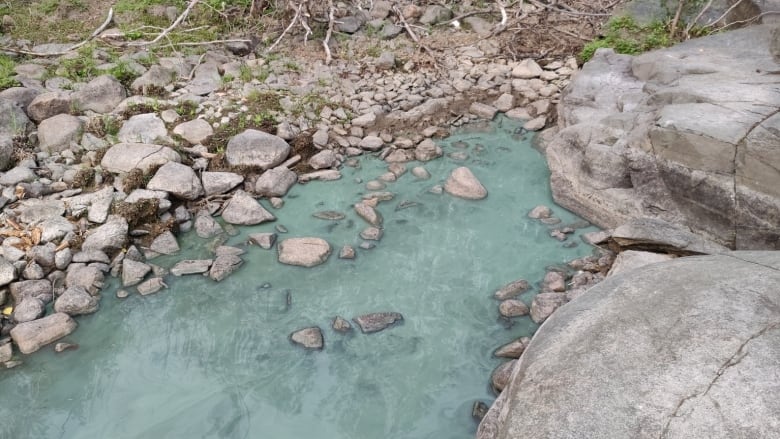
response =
{"points": [[377, 321], [123, 157], [177, 179], [463, 184], [224, 265], [679, 349], [303, 252], [309, 338], [243, 209], [256, 149], [658, 234], [31, 336], [191, 266], [220, 182]]}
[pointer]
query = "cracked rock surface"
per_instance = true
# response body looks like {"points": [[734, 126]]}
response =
{"points": [[687, 134], [681, 349]]}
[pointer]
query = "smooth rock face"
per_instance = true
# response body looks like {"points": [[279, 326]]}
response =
{"points": [[31, 336], [177, 179], [658, 234], [254, 148], [304, 252], [631, 259], [377, 321], [707, 375], [245, 210], [123, 157], [646, 136], [59, 133], [463, 184], [309, 338]]}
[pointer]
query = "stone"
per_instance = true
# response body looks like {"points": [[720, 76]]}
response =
{"points": [[243, 209], [31, 336], [205, 80], [719, 360], [341, 324], [535, 124], [265, 240], [46, 105], [435, 14], [109, 237], [287, 130], [124, 157], [177, 179], [206, 226], [191, 266], [501, 375], [323, 159], [143, 128], [513, 349], [33, 271], [427, 150], [17, 175], [165, 244], [88, 277], [369, 214], [6, 352], [195, 131], [62, 347], [366, 120], [155, 79], [100, 95], [512, 308], [378, 321], [657, 234], [224, 265], [554, 281], [372, 233], [39, 289], [59, 133], [303, 252], [215, 183], [76, 301], [151, 286], [385, 61], [275, 182], [256, 149], [483, 111], [631, 259], [504, 103], [512, 289], [371, 143], [540, 212], [133, 272], [349, 24], [309, 338], [347, 252], [7, 272], [544, 304], [20, 97], [462, 183], [28, 310], [526, 69], [421, 173]]}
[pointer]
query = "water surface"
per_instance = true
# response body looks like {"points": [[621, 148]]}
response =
{"points": [[207, 360]]}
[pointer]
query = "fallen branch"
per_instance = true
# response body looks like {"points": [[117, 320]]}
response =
{"points": [[568, 12], [329, 33], [676, 19], [168, 29], [287, 29], [414, 36], [92, 36]]}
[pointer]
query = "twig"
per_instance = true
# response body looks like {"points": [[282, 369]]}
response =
{"points": [[504, 17], [571, 34], [689, 27], [724, 14], [94, 34], [414, 36], [326, 41], [168, 29], [206, 43], [564, 11], [287, 29], [676, 19], [749, 20]]}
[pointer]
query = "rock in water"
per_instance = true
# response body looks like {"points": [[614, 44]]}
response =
{"points": [[243, 209], [463, 184], [309, 338], [224, 265], [76, 301], [368, 213], [377, 321], [512, 289], [304, 252], [31, 336], [499, 379], [341, 324]]}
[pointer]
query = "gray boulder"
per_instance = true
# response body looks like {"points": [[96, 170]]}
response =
{"points": [[50, 104], [275, 182], [154, 79], [177, 179], [123, 157], [28, 310], [243, 209], [206, 226], [220, 182], [224, 265], [645, 136], [31, 336], [59, 133], [195, 131], [309, 338], [304, 252], [256, 149], [143, 128], [378, 321], [13, 122], [707, 375], [205, 80], [151, 286], [133, 272], [100, 95], [323, 159], [544, 304], [108, 237], [39, 289], [463, 184], [435, 14], [369, 214], [427, 150], [657, 234], [88, 277], [265, 240], [191, 266], [165, 244], [76, 301], [7, 272]]}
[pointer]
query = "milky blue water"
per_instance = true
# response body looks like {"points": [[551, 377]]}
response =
{"points": [[208, 360]]}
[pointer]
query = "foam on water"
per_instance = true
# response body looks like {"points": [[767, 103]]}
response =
{"points": [[211, 360]]}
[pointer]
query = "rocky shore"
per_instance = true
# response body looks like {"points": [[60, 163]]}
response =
{"points": [[100, 176]]}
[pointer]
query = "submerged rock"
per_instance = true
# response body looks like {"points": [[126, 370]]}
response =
{"points": [[512, 289], [31, 336], [368, 213], [463, 184], [304, 252], [330, 215], [309, 338], [513, 308], [499, 379], [341, 324], [377, 321]]}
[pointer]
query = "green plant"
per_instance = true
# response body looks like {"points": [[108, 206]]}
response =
{"points": [[625, 36], [7, 73], [81, 66], [123, 73], [244, 73]]}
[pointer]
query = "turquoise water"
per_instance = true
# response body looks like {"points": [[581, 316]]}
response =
{"points": [[214, 361]]}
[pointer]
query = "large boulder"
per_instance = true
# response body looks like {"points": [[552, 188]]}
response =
{"points": [[109, 237], [275, 182], [679, 349], [177, 179], [256, 149], [686, 134], [143, 128], [243, 209], [31, 336], [59, 133]]}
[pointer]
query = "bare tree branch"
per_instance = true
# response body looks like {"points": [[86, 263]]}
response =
{"points": [[92, 36]]}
